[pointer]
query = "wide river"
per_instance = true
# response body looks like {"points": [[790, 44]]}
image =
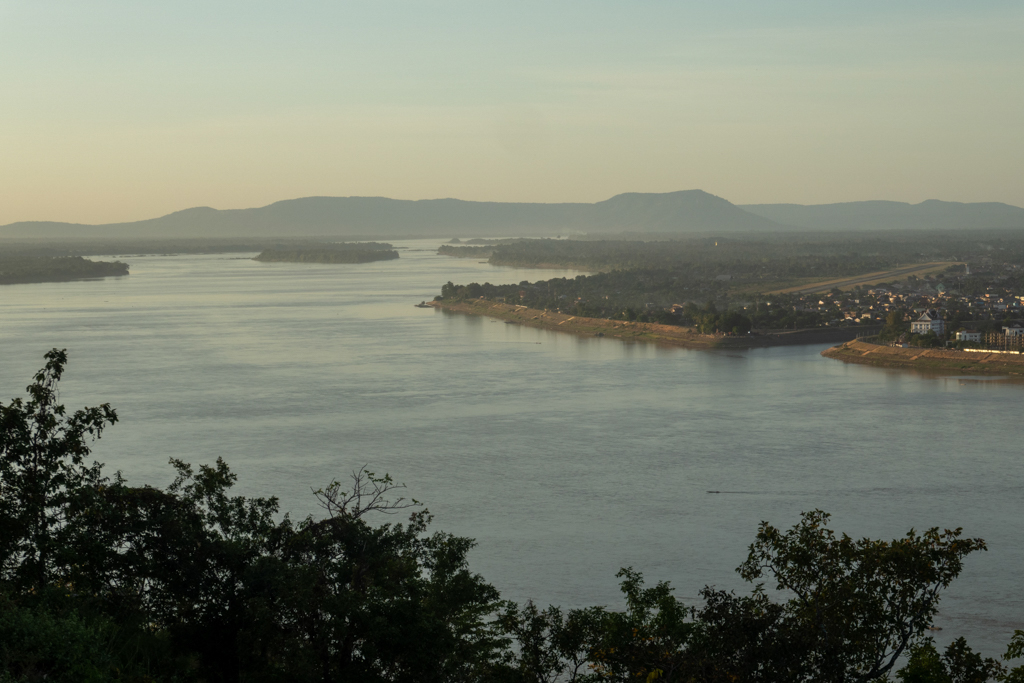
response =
{"points": [[565, 457]]}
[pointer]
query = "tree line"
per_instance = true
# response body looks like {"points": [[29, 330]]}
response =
{"points": [[666, 297], [102, 581], [339, 252], [21, 270], [750, 259], [760, 258]]}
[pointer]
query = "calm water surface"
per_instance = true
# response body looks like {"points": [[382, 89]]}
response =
{"points": [[565, 457]]}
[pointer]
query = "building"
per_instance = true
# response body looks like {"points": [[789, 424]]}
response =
{"points": [[1014, 331], [928, 322], [968, 336]]}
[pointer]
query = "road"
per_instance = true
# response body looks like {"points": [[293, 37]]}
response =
{"points": [[880, 276]]}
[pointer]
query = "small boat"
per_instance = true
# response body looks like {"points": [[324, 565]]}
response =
{"points": [[423, 304]]}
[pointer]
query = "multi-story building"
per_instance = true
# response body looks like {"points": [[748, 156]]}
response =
{"points": [[930, 321]]}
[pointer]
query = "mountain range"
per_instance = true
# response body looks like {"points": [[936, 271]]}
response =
{"points": [[687, 212]]}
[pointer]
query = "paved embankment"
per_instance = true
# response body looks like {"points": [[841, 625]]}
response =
{"points": [[927, 359], [632, 331]]}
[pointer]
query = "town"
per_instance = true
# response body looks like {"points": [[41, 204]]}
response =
{"points": [[933, 311], [973, 303]]}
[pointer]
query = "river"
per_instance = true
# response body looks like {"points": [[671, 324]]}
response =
{"points": [[565, 457]]}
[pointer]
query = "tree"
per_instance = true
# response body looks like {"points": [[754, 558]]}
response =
{"points": [[352, 601], [550, 645], [649, 639], [43, 471], [734, 322], [861, 603], [1015, 650], [203, 584], [746, 638], [959, 664], [894, 325], [857, 606]]}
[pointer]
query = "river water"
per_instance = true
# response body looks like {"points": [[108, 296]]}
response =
{"points": [[565, 457]]}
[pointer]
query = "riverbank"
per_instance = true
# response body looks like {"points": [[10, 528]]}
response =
{"points": [[672, 335], [927, 359]]}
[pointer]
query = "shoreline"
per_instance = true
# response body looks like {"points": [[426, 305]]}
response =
{"points": [[671, 335], [896, 357]]}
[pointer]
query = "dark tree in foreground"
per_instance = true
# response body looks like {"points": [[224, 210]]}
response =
{"points": [[856, 607], [193, 583], [43, 472], [860, 602]]}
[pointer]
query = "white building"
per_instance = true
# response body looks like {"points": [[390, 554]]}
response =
{"points": [[1014, 331], [968, 336], [929, 321]]}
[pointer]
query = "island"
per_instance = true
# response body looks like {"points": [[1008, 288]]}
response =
{"points": [[342, 252], [34, 269]]}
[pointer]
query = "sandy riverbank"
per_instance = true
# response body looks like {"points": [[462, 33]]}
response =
{"points": [[672, 335], [966, 362]]}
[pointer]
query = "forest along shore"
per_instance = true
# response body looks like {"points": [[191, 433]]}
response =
{"points": [[36, 269], [672, 335], [970, 362]]}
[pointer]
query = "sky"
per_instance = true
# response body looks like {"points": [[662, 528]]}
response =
{"points": [[119, 111]]}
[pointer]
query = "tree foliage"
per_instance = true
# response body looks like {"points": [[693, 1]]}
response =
{"points": [[44, 474], [864, 601]]}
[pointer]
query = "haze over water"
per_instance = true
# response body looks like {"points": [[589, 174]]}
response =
{"points": [[565, 457]]}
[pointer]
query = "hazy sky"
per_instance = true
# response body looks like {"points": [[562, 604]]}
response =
{"points": [[116, 111]]}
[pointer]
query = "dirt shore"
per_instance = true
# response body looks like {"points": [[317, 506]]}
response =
{"points": [[672, 335], [966, 362]]}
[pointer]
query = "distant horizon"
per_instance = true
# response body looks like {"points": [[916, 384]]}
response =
{"points": [[485, 201], [683, 212]]}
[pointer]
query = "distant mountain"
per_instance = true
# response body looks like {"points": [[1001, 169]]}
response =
{"points": [[880, 215], [683, 213], [692, 211]]}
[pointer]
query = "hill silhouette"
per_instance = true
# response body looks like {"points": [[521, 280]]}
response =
{"points": [[882, 215], [689, 212], [692, 211]]}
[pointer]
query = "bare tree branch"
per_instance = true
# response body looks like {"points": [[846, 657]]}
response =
{"points": [[367, 494]]}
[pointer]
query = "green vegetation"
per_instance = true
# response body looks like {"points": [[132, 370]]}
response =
{"points": [[895, 326], [767, 282], [102, 581], [658, 296], [759, 259], [342, 252], [465, 252], [11, 248], [56, 269], [765, 260], [478, 247]]}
